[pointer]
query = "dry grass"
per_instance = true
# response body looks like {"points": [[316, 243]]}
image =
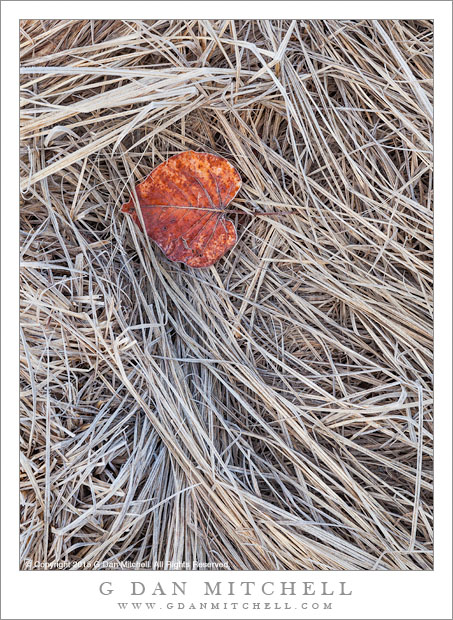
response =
{"points": [[273, 411]]}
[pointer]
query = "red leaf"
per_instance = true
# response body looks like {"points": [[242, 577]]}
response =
{"points": [[182, 203]]}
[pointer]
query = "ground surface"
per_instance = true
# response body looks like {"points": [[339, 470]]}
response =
{"points": [[272, 411]]}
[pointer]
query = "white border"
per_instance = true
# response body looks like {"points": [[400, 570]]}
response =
{"points": [[375, 594]]}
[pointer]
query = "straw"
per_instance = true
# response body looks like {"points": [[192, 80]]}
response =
{"points": [[272, 412]]}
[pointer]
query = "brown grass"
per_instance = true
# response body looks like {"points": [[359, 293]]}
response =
{"points": [[273, 411]]}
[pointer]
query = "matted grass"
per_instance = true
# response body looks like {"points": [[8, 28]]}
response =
{"points": [[273, 411]]}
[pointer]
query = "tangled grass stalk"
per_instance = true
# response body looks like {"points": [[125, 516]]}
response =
{"points": [[273, 411]]}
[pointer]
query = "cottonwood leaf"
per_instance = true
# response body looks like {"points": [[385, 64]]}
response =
{"points": [[182, 203]]}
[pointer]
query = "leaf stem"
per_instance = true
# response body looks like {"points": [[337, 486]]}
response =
{"points": [[226, 212]]}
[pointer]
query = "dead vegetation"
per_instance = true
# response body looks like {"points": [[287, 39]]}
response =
{"points": [[273, 411]]}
